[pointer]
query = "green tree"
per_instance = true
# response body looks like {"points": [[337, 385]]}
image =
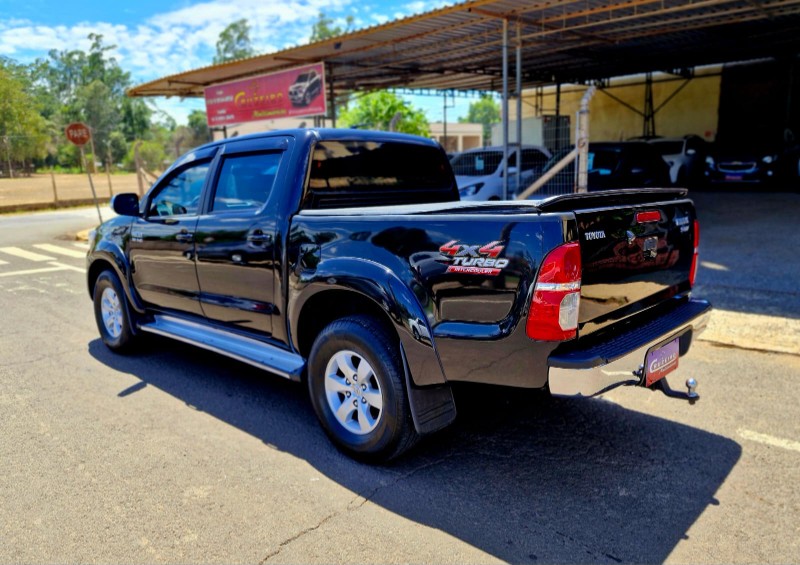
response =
{"points": [[23, 131], [198, 122], [383, 110], [136, 118], [485, 111], [234, 42], [323, 28]]}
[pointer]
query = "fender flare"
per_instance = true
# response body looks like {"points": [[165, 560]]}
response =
{"points": [[112, 254], [430, 398]]}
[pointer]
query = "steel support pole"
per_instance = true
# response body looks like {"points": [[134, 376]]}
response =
{"points": [[505, 109], [519, 108], [331, 94], [582, 142]]}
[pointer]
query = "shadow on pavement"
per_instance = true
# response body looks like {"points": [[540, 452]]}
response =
{"points": [[520, 476]]}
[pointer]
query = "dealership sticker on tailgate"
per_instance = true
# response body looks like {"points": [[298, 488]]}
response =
{"points": [[661, 361]]}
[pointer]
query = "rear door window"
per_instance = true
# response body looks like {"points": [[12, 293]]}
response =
{"points": [[245, 181]]}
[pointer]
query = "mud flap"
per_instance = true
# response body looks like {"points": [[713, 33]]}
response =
{"points": [[432, 407]]}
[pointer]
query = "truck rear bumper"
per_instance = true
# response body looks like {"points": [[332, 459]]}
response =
{"points": [[618, 361]]}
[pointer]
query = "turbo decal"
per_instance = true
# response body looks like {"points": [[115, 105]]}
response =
{"points": [[474, 259]]}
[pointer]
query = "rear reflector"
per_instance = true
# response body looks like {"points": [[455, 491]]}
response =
{"points": [[651, 216], [693, 270], [553, 315]]}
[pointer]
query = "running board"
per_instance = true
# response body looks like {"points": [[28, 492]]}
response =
{"points": [[244, 349]]}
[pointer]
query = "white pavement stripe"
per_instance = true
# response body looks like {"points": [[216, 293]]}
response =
{"points": [[3, 262], [64, 266], [29, 255], [770, 440], [81, 244], [32, 271], [60, 250]]}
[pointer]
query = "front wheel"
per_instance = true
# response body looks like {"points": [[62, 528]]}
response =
{"points": [[111, 312], [356, 384]]}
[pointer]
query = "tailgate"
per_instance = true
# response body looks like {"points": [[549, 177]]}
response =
{"points": [[634, 256]]}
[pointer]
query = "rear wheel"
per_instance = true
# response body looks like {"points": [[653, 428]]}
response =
{"points": [[111, 312], [357, 388]]}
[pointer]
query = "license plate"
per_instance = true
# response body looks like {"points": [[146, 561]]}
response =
{"points": [[734, 177], [661, 361]]}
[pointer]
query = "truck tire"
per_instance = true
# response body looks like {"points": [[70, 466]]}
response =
{"points": [[111, 312], [356, 384]]}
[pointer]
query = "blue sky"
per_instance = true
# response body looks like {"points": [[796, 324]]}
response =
{"points": [[157, 38]]}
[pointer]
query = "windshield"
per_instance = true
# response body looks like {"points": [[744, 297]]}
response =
{"points": [[302, 78], [477, 163], [668, 147]]}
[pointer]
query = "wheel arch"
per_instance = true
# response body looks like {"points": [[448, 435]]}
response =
{"points": [[344, 286]]}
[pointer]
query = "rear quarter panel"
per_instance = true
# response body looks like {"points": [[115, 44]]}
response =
{"points": [[474, 321]]}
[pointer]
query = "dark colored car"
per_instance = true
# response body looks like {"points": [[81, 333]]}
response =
{"points": [[306, 87], [740, 165], [611, 165], [343, 259]]}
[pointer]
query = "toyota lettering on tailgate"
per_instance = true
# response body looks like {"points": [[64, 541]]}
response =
{"points": [[474, 259]]}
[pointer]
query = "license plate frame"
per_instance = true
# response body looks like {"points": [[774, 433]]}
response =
{"points": [[661, 360], [734, 178]]}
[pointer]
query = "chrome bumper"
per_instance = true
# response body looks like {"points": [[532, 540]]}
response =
{"points": [[618, 362]]}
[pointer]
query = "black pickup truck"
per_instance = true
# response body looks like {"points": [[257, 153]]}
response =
{"points": [[344, 259]]}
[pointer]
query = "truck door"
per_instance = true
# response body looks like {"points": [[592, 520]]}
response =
{"points": [[236, 263], [161, 247]]}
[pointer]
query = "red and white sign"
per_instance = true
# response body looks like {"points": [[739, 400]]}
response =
{"points": [[78, 133], [296, 92]]}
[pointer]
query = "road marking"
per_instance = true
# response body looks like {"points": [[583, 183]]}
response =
{"points": [[35, 271], [81, 244], [3, 262], [60, 250], [17, 252], [770, 440], [64, 266]]}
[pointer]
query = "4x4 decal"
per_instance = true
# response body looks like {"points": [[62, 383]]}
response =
{"points": [[474, 259]]}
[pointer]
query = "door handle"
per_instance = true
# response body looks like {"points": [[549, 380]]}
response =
{"points": [[258, 237], [184, 237]]}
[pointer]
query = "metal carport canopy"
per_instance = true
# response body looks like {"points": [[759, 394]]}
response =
{"points": [[459, 47]]}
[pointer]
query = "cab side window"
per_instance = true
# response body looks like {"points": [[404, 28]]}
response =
{"points": [[180, 194], [245, 181]]}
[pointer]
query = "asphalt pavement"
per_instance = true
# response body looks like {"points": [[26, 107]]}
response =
{"points": [[176, 455]]}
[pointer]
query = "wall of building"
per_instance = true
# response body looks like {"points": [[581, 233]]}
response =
{"points": [[693, 110]]}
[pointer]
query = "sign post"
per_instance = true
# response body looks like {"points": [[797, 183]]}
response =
{"points": [[80, 134]]}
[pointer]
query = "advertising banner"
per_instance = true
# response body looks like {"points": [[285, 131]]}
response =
{"points": [[292, 93]]}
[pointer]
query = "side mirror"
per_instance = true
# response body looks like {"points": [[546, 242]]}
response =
{"points": [[511, 171], [126, 204], [691, 151]]}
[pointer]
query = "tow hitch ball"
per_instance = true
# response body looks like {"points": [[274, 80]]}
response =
{"points": [[662, 385]]}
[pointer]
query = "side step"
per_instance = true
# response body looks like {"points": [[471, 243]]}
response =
{"points": [[245, 349]]}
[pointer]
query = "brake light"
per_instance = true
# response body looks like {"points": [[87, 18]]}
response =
{"points": [[645, 217], [693, 270], [553, 314]]}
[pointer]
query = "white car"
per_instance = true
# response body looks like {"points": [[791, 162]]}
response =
{"points": [[479, 172], [685, 157]]}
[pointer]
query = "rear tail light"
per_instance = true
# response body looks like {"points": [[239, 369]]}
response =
{"points": [[553, 314], [693, 270]]}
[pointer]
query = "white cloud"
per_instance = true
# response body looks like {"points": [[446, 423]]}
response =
{"points": [[185, 38]]}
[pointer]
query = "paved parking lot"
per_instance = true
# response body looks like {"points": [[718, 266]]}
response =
{"points": [[178, 455]]}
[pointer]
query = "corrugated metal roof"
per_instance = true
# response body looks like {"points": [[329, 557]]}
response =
{"points": [[460, 47]]}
